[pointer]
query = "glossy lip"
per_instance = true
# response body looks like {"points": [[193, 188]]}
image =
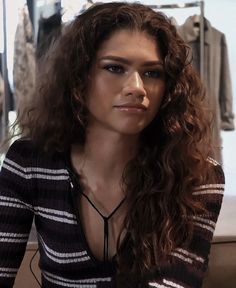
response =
{"points": [[131, 107]]}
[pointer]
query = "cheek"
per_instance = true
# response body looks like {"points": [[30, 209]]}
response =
{"points": [[99, 100], [95, 93], [157, 98], [103, 85]]}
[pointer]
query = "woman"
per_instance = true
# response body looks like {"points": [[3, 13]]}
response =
{"points": [[114, 160]]}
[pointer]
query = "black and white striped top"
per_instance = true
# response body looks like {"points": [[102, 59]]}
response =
{"points": [[36, 185]]}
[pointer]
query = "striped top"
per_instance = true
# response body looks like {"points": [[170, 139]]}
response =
{"points": [[36, 185]]}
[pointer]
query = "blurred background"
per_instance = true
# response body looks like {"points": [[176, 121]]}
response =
{"points": [[28, 27], [220, 14]]}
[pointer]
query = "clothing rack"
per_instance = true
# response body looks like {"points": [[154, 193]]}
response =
{"points": [[199, 4], [5, 108], [4, 119]]}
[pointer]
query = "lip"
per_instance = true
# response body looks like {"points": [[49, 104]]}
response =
{"points": [[131, 107]]}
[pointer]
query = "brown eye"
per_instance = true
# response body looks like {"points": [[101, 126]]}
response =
{"points": [[154, 74], [117, 69]]}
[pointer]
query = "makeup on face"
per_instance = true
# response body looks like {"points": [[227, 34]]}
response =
{"points": [[127, 82]]}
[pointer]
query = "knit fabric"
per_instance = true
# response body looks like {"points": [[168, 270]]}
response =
{"points": [[35, 185]]}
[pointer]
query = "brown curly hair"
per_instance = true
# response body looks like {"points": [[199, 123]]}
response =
{"points": [[171, 159]]}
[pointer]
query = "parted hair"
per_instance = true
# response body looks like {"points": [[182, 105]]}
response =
{"points": [[174, 148]]}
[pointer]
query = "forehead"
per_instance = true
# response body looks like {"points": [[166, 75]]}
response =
{"points": [[130, 41]]}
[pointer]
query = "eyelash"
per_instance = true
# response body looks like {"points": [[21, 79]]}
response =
{"points": [[118, 69], [154, 74]]}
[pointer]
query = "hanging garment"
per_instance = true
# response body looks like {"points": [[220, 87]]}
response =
{"points": [[1, 103], [1, 95], [217, 77], [8, 88], [49, 30], [24, 60], [30, 4], [173, 21]]}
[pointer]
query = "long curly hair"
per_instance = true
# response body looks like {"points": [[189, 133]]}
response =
{"points": [[171, 159]]}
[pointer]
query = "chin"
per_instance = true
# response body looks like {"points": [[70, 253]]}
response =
{"points": [[132, 129]]}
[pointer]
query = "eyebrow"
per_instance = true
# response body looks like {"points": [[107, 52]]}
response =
{"points": [[127, 61]]}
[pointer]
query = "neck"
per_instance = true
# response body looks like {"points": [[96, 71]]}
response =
{"points": [[106, 154]]}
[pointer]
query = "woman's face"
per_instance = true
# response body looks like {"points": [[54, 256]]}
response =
{"points": [[126, 83]]}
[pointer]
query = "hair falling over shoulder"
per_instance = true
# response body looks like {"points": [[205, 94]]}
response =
{"points": [[174, 147]]}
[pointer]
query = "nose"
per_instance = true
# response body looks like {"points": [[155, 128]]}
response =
{"points": [[134, 86]]}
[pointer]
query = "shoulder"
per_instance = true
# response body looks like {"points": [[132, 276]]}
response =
{"points": [[19, 152], [210, 195], [26, 169], [24, 153], [213, 187], [21, 146], [217, 170]]}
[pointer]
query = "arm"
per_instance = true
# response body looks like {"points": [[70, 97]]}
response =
{"points": [[187, 265], [16, 214]]}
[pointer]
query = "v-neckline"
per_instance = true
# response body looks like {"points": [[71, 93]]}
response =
{"points": [[77, 193], [105, 259]]}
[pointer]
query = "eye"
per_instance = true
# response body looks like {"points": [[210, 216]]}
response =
{"points": [[154, 74], [113, 68]]}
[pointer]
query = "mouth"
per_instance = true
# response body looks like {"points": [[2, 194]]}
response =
{"points": [[131, 107]]}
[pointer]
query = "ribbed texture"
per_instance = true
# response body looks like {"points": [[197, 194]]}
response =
{"points": [[36, 185]]}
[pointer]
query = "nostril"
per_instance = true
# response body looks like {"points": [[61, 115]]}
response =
{"points": [[140, 96]]}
